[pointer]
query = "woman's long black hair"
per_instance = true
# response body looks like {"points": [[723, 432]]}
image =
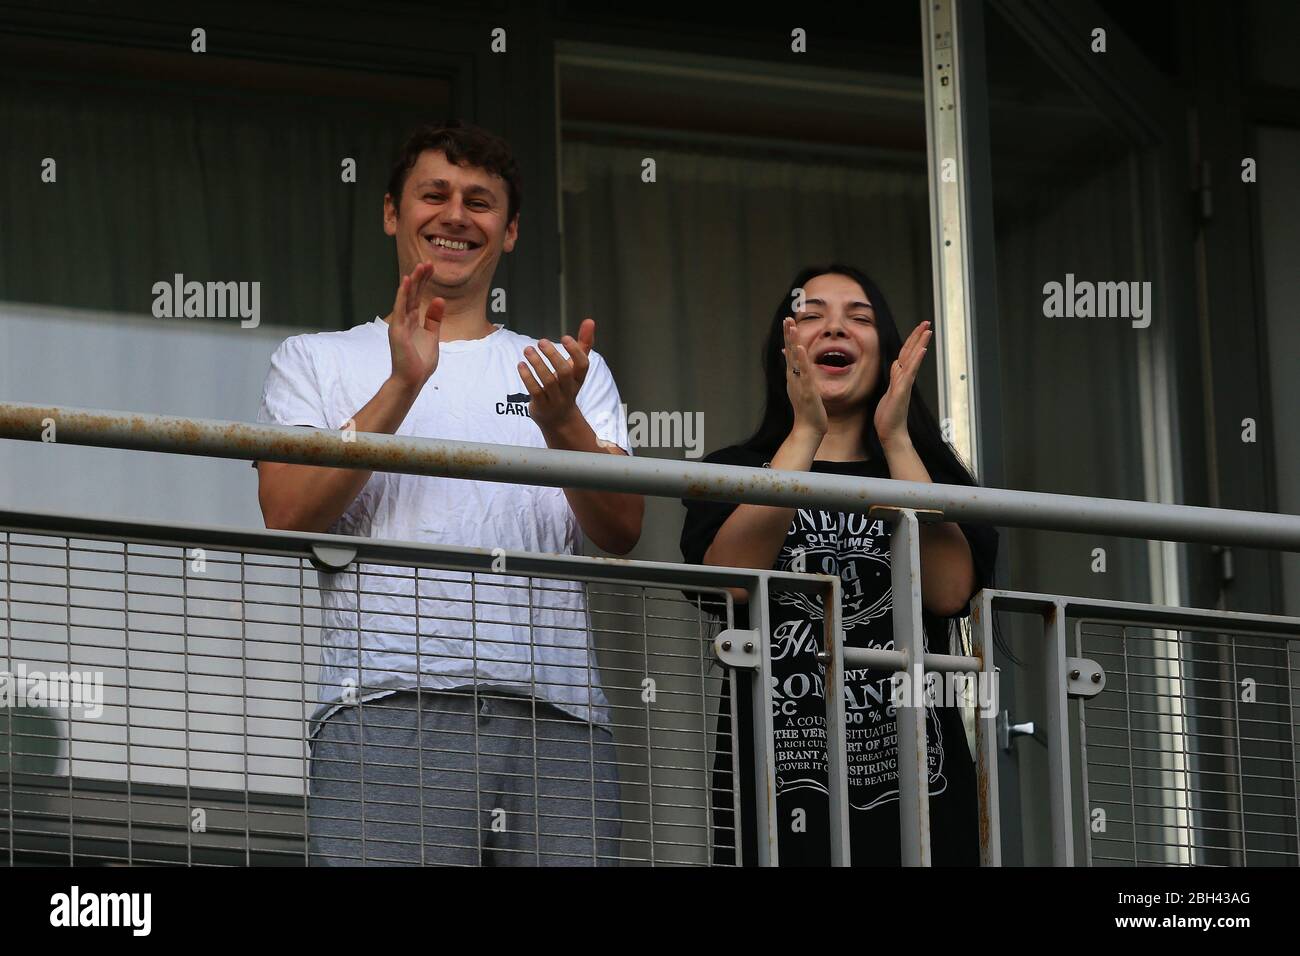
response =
{"points": [[939, 458]]}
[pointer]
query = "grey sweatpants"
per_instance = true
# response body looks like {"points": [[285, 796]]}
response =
{"points": [[396, 784]]}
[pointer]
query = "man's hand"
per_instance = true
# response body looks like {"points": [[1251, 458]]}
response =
{"points": [[611, 520], [555, 394], [412, 337]]}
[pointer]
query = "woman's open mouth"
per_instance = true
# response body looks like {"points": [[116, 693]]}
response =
{"points": [[834, 362]]}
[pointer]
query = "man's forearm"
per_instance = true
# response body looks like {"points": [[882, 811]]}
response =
{"points": [[312, 497], [612, 520]]}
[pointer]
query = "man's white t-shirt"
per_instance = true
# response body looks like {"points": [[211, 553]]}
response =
{"points": [[528, 634]]}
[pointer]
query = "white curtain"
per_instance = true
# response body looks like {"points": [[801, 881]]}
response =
{"points": [[682, 274]]}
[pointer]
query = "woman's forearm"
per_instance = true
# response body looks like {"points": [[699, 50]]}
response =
{"points": [[752, 535], [947, 569]]}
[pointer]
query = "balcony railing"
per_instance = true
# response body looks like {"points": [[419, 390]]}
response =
{"points": [[207, 641]]}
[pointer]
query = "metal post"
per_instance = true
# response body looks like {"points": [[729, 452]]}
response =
{"points": [[836, 743], [986, 736], [765, 817], [1057, 736], [1083, 748], [946, 146], [913, 762]]}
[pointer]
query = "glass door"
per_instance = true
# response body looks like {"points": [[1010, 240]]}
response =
{"points": [[1067, 297]]}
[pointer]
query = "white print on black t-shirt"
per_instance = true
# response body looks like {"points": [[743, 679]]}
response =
{"points": [[855, 548], [833, 543]]}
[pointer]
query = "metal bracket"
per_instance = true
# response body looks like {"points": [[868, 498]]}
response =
{"points": [[1083, 678], [891, 512], [330, 557], [736, 648]]}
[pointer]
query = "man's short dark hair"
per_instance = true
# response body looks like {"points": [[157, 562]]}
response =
{"points": [[464, 145]]}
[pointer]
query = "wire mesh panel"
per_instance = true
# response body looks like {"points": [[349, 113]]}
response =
{"points": [[1189, 752], [175, 704], [663, 693]]}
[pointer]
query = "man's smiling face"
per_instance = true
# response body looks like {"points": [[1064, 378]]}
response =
{"points": [[454, 218]]}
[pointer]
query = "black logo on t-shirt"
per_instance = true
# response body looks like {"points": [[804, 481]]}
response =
{"points": [[515, 404]]}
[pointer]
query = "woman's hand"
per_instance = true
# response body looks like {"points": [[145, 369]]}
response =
{"points": [[891, 413], [809, 412]]}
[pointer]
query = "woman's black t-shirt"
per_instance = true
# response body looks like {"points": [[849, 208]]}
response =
{"points": [[856, 548]]}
